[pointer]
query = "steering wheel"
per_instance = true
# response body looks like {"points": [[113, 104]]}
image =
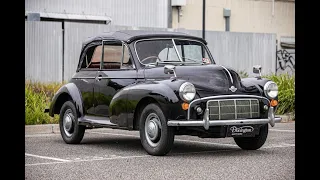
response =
{"points": [[149, 57]]}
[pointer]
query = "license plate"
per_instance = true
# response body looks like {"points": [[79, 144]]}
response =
{"points": [[241, 130]]}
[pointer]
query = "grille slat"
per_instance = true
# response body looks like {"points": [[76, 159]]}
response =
{"points": [[233, 109]]}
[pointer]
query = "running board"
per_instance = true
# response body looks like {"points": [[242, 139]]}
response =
{"points": [[96, 121]]}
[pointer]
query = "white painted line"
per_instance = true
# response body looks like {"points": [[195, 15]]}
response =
{"points": [[181, 140], [282, 130], [46, 157], [131, 157], [88, 160]]}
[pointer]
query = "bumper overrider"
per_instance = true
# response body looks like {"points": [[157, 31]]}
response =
{"points": [[206, 122]]}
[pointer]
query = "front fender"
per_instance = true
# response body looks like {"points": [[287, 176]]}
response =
{"points": [[259, 83], [163, 92], [66, 92]]}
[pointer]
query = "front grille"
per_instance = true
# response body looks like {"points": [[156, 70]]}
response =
{"points": [[233, 109]]}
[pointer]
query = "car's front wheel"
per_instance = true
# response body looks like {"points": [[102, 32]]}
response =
{"points": [[71, 131], [253, 143], [156, 137]]}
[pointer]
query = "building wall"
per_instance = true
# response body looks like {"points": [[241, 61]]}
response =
{"points": [[43, 51], [142, 13], [47, 60], [246, 16]]}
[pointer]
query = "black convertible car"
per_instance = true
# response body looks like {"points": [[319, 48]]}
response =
{"points": [[163, 84]]}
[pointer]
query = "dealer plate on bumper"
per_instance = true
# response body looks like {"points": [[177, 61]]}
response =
{"points": [[242, 130]]}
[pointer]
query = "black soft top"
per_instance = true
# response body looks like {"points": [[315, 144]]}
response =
{"points": [[131, 35]]}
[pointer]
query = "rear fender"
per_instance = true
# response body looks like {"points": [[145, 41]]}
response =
{"points": [[66, 92]]}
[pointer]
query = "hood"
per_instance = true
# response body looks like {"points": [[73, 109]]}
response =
{"points": [[208, 79]]}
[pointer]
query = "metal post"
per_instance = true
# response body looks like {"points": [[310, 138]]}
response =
{"points": [[227, 24], [169, 14], [62, 51], [203, 18]]}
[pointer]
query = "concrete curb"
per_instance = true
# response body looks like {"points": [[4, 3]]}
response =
{"points": [[42, 129], [54, 128]]}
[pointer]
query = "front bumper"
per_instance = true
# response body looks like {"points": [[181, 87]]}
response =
{"points": [[206, 123]]}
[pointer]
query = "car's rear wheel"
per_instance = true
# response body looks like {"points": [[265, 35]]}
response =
{"points": [[156, 137], [253, 143], [71, 131]]}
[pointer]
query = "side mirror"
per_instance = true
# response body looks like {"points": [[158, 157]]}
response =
{"points": [[257, 70], [170, 69]]}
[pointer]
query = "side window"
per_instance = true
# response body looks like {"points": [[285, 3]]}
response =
{"points": [[112, 57], [127, 60], [92, 58]]}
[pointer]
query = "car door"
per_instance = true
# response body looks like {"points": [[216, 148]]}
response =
{"points": [[84, 78], [117, 71]]}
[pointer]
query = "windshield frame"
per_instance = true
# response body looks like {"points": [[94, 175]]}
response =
{"points": [[175, 47]]}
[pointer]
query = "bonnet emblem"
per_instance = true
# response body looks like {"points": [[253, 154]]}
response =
{"points": [[233, 89]]}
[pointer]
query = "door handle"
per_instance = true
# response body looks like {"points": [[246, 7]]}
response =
{"points": [[98, 78]]}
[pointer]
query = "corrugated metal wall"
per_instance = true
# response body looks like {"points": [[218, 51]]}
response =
{"points": [[43, 51], [142, 13], [239, 51]]}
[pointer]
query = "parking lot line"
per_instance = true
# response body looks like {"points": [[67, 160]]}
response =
{"points": [[46, 157], [131, 157], [87, 160]]}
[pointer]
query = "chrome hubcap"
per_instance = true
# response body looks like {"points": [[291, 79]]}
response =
{"points": [[68, 122], [153, 129]]}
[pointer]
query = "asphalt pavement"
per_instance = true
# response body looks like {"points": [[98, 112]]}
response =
{"points": [[118, 154]]}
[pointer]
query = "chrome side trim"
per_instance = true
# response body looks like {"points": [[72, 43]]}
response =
{"points": [[228, 73], [83, 77], [105, 78], [221, 97]]}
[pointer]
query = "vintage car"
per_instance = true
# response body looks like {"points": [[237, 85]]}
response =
{"points": [[162, 84]]}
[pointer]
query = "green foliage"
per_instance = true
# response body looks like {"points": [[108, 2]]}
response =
{"points": [[243, 74], [37, 98], [286, 88]]}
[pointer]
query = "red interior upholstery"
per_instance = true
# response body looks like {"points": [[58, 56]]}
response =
{"points": [[111, 66]]}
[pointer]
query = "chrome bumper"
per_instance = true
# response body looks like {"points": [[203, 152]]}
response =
{"points": [[206, 123]]}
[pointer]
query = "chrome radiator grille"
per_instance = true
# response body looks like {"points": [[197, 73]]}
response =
{"points": [[233, 109]]}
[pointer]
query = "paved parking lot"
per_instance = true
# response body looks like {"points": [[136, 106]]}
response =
{"points": [[118, 154]]}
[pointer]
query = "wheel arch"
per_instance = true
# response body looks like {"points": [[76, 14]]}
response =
{"points": [[141, 104], [65, 93]]}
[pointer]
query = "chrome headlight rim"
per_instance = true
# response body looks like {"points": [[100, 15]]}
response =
{"points": [[266, 89], [183, 91]]}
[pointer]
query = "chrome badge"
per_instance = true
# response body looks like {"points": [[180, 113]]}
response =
{"points": [[233, 89]]}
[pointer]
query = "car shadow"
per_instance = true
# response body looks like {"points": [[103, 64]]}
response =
{"points": [[133, 144]]}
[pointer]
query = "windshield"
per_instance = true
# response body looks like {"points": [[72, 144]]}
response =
{"points": [[172, 51]]}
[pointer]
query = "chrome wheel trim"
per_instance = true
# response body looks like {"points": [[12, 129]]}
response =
{"points": [[153, 129], [68, 122]]}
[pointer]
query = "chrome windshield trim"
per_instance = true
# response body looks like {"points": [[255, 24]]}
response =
{"points": [[221, 97], [228, 73], [175, 47]]}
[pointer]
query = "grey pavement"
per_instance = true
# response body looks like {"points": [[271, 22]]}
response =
{"points": [[117, 154]]}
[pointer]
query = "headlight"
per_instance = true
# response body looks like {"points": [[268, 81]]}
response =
{"points": [[187, 91], [271, 89]]}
